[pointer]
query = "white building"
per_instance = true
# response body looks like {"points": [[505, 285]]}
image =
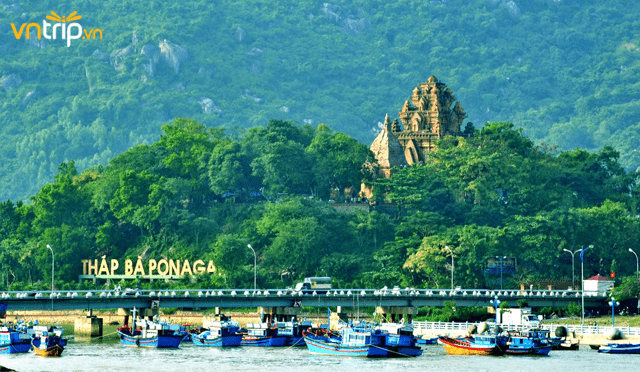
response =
{"points": [[598, 284]]}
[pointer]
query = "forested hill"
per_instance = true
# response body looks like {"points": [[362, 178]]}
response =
{"points": [[564, 71]]}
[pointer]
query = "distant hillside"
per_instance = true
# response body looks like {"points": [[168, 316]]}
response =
{"points": [[564, 71]]}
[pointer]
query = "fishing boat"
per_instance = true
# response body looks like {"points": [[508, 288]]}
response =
{"points": [[427, 341], [478, 345], [262, 334], [146, 333], [13, 340], [620, 349], [293, 331], [558, 343], [532, 342], [47, 342], [401, 339], [223, 333], [360, 341]]}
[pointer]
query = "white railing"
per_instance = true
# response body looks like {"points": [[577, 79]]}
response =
{"points": [[578, 329]]}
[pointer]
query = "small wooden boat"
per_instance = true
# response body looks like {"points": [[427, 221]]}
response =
{"points": [[48, 344], [476, 346], [620, 349], [594, 347]]}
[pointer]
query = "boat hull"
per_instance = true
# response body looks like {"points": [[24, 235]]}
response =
{"points": [[264, 341], [620, 349], [168, 341], [458, 347], [318, 347], [542, 350], [20, 347], [222, 341], [295, 341], [55, 348]]}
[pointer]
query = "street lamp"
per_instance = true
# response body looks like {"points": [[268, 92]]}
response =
{"points": [[495, 303], [52, 273], [613, 304], [255, 265], [450, 251], [582, 276], [637, 268], [501, 268], [573, 282]]}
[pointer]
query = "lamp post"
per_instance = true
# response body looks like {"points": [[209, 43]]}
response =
{"points": [[582, 276], [255, 265], [613, 304], [495, 303], [573, 271], [52, 273], [501, 258], [450, 251], [637, 267]]}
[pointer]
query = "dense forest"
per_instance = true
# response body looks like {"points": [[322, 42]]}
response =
{"points": [[291, 192], [563, 71]]}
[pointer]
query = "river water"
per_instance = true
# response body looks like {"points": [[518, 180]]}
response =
{"points": [[109, 355]]}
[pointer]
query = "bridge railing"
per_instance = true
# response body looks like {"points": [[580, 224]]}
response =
{"points": [[578, 329], [383, 292]]}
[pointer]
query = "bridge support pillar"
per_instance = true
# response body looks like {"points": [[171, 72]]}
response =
{"points": [[279, 313], [88, 326], [394, 314]]}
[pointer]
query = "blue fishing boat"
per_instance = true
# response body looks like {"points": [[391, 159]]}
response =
{"points": [[13, 340], [532, 342], [48, 341], [222, 333], [361, 341], [293, 331], [620, 349], [262, 334], [145, 333]]}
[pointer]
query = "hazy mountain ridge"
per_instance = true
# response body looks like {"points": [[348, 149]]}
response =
{"points": [[562, 71]]}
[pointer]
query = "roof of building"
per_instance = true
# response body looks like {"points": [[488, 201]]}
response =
{"points": [[600, 278]]}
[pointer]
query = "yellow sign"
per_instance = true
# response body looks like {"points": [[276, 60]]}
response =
{"points": [[153, 267], [70, 31]]}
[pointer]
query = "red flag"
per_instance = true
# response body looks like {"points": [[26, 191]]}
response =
{"points": [[613, 274]]}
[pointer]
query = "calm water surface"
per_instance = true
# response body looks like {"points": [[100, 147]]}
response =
{"points": [[109, 355]]}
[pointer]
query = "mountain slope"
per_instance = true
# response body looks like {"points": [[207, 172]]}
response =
{"points": [[565, 72]]}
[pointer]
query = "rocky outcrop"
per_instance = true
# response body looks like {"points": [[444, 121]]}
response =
{"points": [[173, 54], [118, 56], [10, 81], [208, 106], [350, 22], [152, 53]]}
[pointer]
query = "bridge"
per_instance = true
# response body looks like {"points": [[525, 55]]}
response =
{"points": [[243, 298]]}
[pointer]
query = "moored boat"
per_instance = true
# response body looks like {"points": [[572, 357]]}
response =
{"points": [[223, 333], [46, 343], [145, 333], [293, 331], [620, 349], [479, 345], [360, 341], [13, 340], [262, 334], [532, 342]]}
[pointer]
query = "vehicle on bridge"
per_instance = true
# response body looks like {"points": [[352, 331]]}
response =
{"points": [[318, 284]]}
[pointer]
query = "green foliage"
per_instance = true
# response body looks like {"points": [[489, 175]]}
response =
{"points": [[561, 71], [198, 193]]}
